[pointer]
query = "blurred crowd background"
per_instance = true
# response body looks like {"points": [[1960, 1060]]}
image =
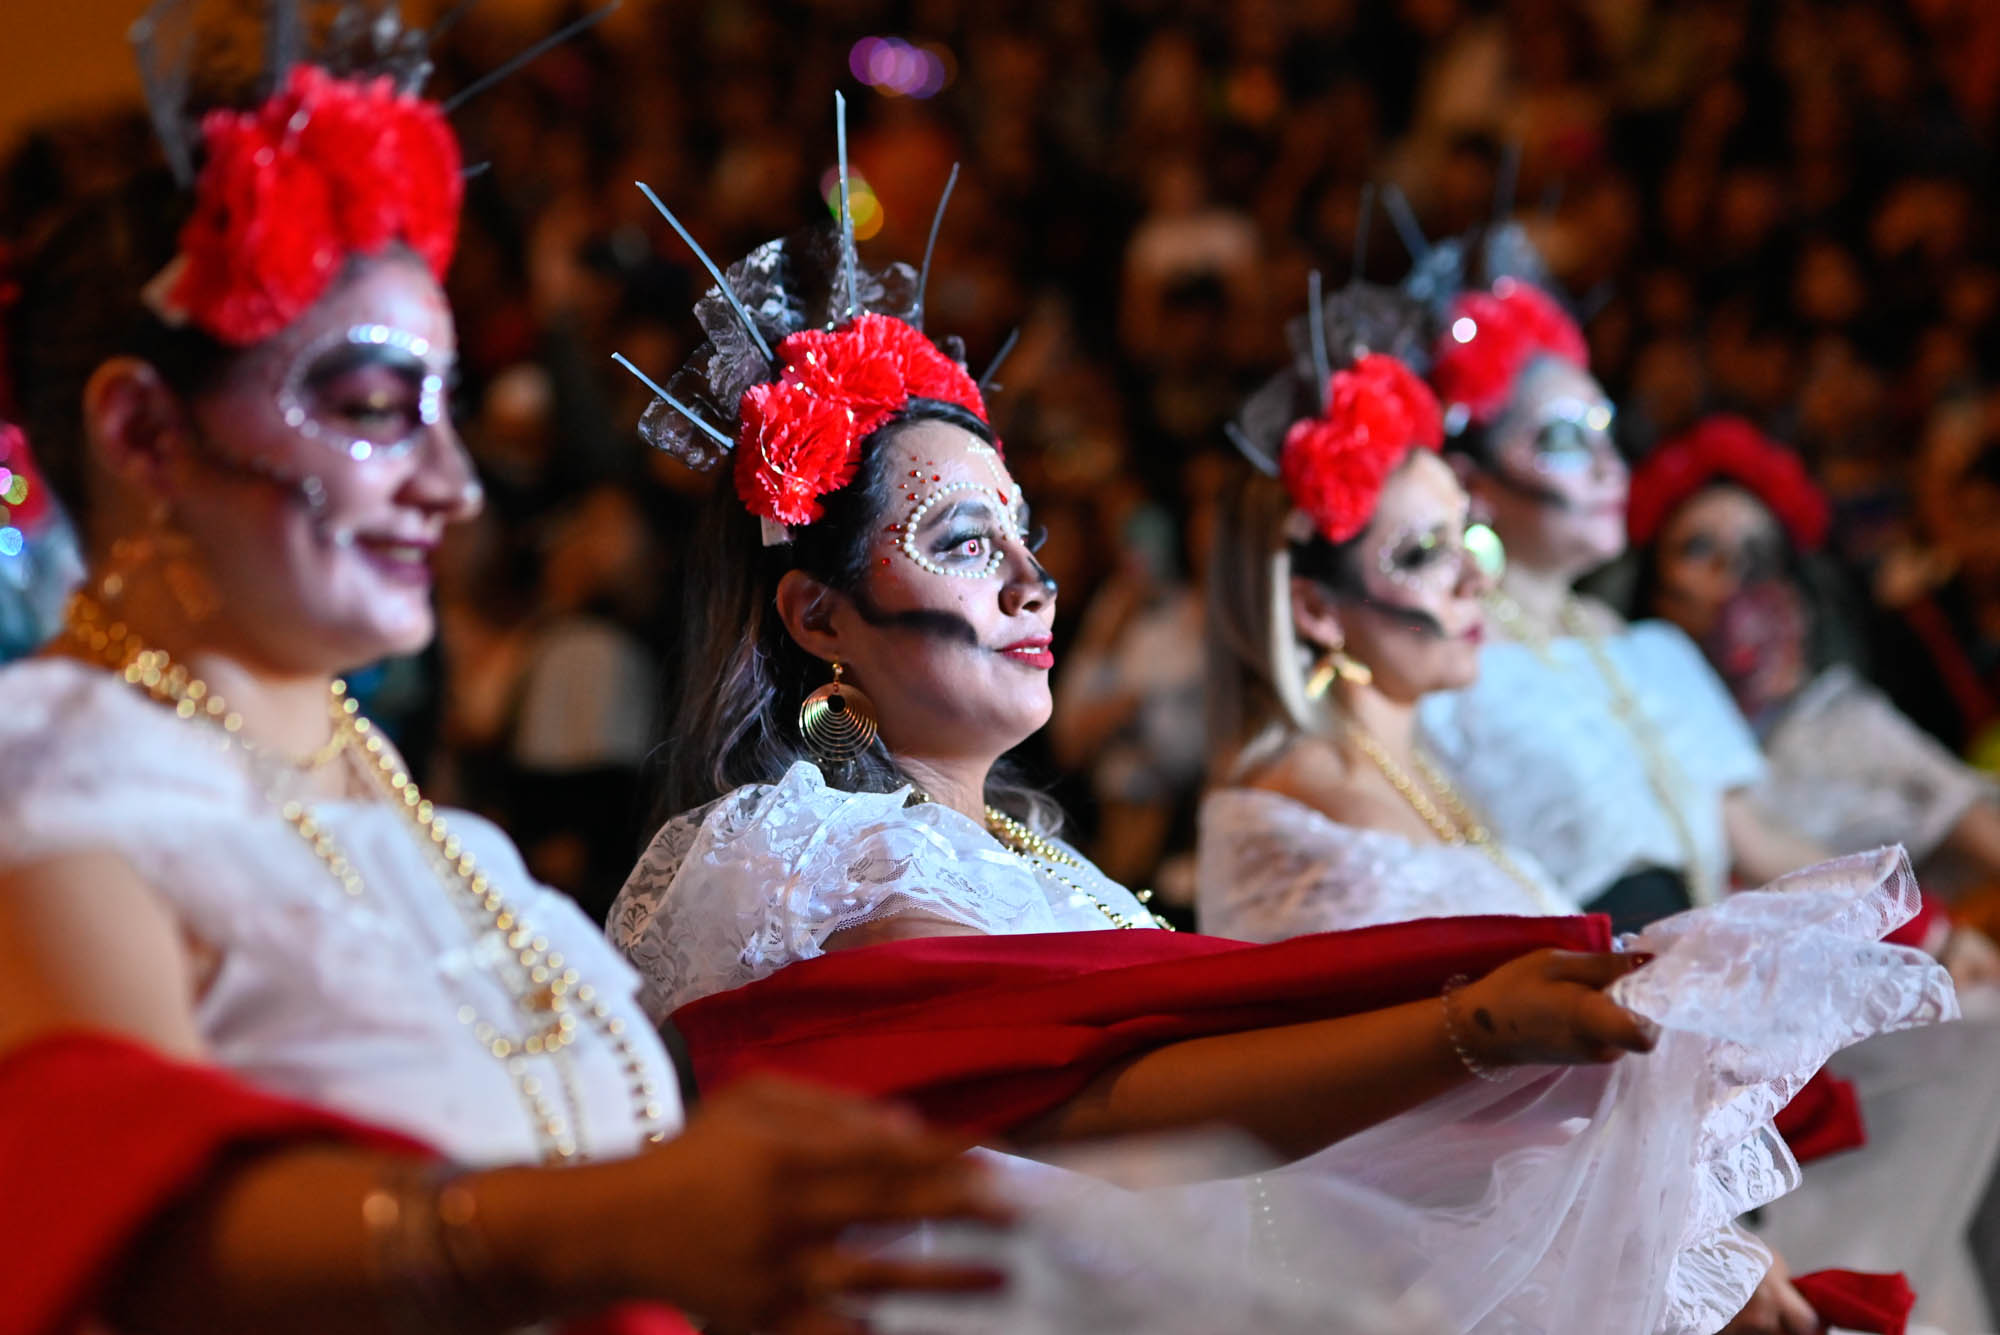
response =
{"points": [[1782, 207]]}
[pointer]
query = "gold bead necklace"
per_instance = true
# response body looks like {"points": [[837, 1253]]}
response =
{"points": [[546, 993], [1663, 774], [1046, 857], [1448, 814]]}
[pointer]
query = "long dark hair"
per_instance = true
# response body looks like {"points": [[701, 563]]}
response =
{"points": [[734, 716], [81, 305]]}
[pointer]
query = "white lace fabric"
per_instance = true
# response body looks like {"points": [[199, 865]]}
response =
{"points": [[352, 1004], [734, 891], [1847, 769], [1537, 744], [1597, 1198], [1269, 867]]}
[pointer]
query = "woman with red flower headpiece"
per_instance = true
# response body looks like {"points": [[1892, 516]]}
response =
{"points": [[1610, 752], [1727, 528], [851, 887], [283, 1045], [1347, 590]]}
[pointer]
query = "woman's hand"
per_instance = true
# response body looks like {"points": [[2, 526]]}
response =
{"points": [[1776, 1308], [1549, 1009], [739, 1219]]}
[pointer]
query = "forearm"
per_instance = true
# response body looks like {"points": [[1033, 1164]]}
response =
{"points": [[283, 1242], [1976, 839], [1297, 1088]]}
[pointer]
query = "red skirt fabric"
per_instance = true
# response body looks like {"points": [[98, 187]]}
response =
{"points": [[984, 1033]]}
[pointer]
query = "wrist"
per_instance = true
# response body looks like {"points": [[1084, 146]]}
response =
{"points": [[545, 1235], [1471, 1041]]}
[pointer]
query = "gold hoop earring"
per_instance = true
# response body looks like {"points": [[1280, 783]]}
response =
{"points": [[173, 551], [1336, 663], [837, 721]]}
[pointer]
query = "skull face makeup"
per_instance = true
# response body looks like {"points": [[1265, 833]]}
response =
{"points": [[961, 528], [1429, 562], [367, 390]]}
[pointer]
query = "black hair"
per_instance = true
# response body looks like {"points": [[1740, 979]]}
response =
{"points": [[81, 305], [734, 718]]}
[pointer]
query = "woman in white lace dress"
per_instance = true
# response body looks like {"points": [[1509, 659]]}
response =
{"points": [[1326, 814], [871, 635], [1613, 755], [342, 1031]]}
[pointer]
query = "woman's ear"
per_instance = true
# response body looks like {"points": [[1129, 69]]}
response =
{"points": [[137, 427], [1316, 614], [805, 605]]}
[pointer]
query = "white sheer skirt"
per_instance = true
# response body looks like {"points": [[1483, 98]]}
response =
{"points": [[1581, 1199]]}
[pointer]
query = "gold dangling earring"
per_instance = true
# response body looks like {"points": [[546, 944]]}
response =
{"points": [[185, 582], [837, 721], [1336, 663]]}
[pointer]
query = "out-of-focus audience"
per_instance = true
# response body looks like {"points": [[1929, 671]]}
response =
{"points": [[1783, 209]]}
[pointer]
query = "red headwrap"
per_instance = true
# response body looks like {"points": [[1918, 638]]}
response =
{"points": [[1334, 465], [1726, 448], [1489, 340]]}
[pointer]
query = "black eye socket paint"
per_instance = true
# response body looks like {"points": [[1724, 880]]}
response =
{"points": [[1548, 496]]}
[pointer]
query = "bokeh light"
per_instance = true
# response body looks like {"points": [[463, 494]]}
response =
{"points": [[16, 492], [11, 541], [868, 214], [897, 68]]}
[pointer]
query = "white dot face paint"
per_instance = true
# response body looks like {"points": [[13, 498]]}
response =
{"points": [[366, 391], [960, 528]]}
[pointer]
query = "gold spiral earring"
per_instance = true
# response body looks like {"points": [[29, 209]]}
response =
{"points": [[837, 721]]}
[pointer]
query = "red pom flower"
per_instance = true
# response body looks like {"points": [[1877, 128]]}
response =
{"points": [[325, 169], [801, 434], [1491, 338], [1726, 448], [1334, 466]]}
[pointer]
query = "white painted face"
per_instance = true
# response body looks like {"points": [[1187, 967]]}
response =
{"points": [[1425, 565], [1557, 485], [949, 632], [327, 472]]}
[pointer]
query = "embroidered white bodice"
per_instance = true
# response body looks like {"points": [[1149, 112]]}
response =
{"points": [[760, 878], [353, 1004]]}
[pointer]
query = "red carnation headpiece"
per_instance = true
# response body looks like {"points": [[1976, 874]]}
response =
{"points": [[801, 434], [1726, 448], [1489, 340], [1334, 465], [325, 169]]}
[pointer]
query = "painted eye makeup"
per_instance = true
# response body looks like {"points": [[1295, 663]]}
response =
{"points": [[960, 529], [1431, 560], [367, 390], [1571, 436]]}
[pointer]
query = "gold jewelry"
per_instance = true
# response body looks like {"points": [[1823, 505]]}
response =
{"points": [[1336, 663], [172, 550], [1449, 815], [837, 721], [1663, 773], [1046, 857], [546, 993]]}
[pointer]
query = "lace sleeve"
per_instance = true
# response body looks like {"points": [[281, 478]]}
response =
{"points": [[760, 879]]}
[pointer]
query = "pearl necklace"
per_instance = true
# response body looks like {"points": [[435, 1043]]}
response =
{"points": [[1047, 858], [1663, 773], [546, 993], [1453, 821]]}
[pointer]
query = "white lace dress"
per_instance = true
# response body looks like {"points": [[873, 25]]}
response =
{"points": [[1538, 745], [1847, 769], [1268, 867], [352, 1004], [1576, 1199]]}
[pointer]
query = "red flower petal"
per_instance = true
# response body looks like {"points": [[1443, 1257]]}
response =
{"points": [[1491, 337], [1727, 448], [1334, 466]]}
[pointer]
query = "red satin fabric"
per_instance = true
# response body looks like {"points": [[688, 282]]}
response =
{"points": [[1825, 1118], [1852, 1300], [100, 1134], [985, 1033]]}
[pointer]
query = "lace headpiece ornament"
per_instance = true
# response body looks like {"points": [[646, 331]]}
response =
{"points": [[807, 354], [1331, 436], [338, 154]]}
